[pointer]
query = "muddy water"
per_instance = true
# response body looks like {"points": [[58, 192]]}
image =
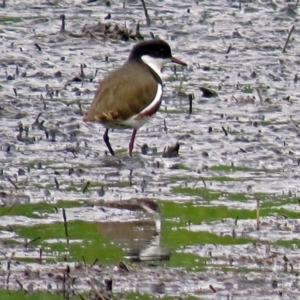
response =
{"points": [[237, 52]]}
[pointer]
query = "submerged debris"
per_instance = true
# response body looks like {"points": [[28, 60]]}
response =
{"points": [[171, 151], [104, 30], [208, 93]]}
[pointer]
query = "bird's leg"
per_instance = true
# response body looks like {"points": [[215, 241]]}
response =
{"points": [[131, 144], [106, 140]]}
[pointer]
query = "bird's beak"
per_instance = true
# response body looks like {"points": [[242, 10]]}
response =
{"points": [[178, 61]]}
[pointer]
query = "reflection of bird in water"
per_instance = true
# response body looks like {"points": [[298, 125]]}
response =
{"points": [[140, 238], [154, 251], [151, 208], [134, 204], [145, 205]]}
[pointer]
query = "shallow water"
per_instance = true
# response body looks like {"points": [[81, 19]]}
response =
{"points": [[262, 135]]}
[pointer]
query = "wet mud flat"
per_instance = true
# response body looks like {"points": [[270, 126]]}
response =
{"points": [[220, 220]]}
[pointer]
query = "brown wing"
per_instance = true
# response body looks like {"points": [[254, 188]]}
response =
{"points": [[122, 94]]}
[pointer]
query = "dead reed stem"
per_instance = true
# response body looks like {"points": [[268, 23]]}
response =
{"points": [[257, 215], [146, 13], [66, 226], [288, 39], [259, 94]]}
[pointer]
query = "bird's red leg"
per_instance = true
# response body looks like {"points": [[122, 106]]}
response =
{"points": [[131, 144], [106, 140]]}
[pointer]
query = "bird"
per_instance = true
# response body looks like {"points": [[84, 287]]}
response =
{"points": [[130, 95]]}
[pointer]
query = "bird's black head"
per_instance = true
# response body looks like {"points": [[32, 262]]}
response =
{"points": [[153, 48], [155, 54]]}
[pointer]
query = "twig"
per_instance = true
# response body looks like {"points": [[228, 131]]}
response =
{"points": [[86, 187], [63, 23], [224, 130], [43, 102], [257, 215], [41, 255], [288, 39], [64, 285], [191, 97], [19, 283], [7, 282], [175, 70], [11, 208], [38, 46], [15, 186], [3, 254], [32, 241], [56, 183], [228, 49], [194, 185], [9, 260], [83, 259], [108, 283], [212, 288], [203, 182], [259, 94], [165, 126], [146, 13], [37, 118], [95, 261], [236, 100], [66, 226], [68, 270], [81, 70], [236, 220], [80, 109], [101, 297]]}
